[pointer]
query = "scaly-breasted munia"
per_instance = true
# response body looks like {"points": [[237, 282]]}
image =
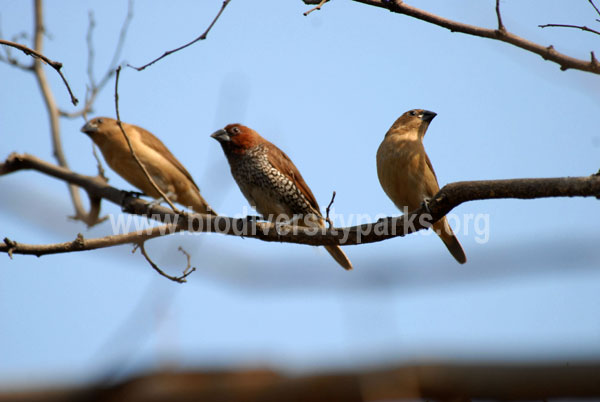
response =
{"points": [[166, 171], [406, 174], [270, 181]]}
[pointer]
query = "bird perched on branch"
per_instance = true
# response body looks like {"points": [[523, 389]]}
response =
{"points": [[406, 174], [270, 181], [166, 171]]}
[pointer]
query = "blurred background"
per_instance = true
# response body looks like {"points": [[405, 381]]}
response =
{"points": [[325, 88]]}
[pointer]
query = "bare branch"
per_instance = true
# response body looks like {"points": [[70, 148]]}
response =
{"points": [[546, 52], [80, 213], [199, 38], [9, 59], [91, 52], [81, 244], [56, 65], [499, 16], [593, 5], [318, 7], [133, 154], [188, 267], [583, 28], [327, 210], [94, 87], [120, 43], [178, 279], [450, 196]]}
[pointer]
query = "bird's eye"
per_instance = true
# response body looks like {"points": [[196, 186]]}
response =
{"points": [[235, 130], [99, 121], [412, 113]]}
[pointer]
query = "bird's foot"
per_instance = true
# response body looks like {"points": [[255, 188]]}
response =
{"points": [[253, 218], [157, 201], [134, 194]]}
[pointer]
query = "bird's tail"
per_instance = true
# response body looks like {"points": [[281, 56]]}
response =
{"points": [[442, 228], [338, 255], [204, 209], [199, 204]]}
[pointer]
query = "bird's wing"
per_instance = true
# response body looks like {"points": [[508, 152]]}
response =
{"points": [[284, 164], [430, 166], [432, 186], [151, 141]]}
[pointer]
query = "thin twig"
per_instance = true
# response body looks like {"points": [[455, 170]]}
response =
{"points": [[546, 52], [583, 28], [53, 113], [201, 37], [94, 87], [56, 65], [500, 24], [9, 57], [133, 154], [11, 246], [318, 7], [90, 49], [178, 279], [120, 42], [327, 210], [593, 5], [189, 261], [81, 244]]}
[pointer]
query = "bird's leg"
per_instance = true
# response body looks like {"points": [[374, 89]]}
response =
{"points": [[171, 195]]}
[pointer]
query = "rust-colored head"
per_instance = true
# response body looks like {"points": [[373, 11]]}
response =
{"points": [[416, 120], [237, 138]]}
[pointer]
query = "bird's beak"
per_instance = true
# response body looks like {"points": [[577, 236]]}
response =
{"points": [[428, 116], [221, 136], [89, 128]]}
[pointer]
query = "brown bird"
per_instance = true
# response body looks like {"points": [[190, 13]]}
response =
{"points": [[406, 174], [270, 181], [166, 171]]}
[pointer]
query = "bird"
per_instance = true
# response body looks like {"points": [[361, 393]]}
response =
{"points": [[270, 181], [406, 173], [166, 171]]}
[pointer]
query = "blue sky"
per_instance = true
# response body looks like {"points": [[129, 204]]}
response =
{"points": [[325, 89]]}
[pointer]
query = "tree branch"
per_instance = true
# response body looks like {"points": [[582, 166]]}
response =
{"points": [[96, 87], [81, 244], [178, 279], [56, 65], [90, 218], [329, 222], [593, 5], [583, 28], [499, 17], [546, 52], [201, 37], [449, 197]]}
